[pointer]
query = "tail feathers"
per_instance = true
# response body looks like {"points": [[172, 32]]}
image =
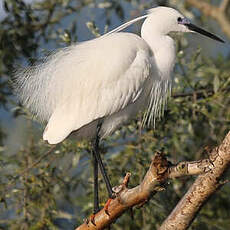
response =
{"points": [[30, 86], [59, 127]]}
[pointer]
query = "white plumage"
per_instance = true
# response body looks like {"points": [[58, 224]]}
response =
{"points": [[107, 79]]}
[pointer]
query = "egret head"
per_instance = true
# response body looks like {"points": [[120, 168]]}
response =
{"points": [[165, 20]]}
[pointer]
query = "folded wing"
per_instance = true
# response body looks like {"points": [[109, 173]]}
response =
{"points": [[88, 81]]}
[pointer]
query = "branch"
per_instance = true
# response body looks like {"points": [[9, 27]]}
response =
{"points": [[160, 170], [224, 5], [218, 13], [204, 186], [200, 93], [26, 170]]}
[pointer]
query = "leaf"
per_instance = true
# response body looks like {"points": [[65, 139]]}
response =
{"points": [[93, 28], [6, 8], [216, 83], [75, 160]]}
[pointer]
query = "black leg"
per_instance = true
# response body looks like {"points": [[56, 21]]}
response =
{"points": [[101, 165], [96, 200]]}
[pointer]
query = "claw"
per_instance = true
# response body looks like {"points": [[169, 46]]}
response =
{"points": [[92, 219], [86, 221], [106, 207]]}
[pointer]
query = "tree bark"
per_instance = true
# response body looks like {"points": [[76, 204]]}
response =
{"points": [[203, 187], [159, 172]]}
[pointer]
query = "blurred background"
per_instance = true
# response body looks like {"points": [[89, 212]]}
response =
{"points": [[57, 192]]}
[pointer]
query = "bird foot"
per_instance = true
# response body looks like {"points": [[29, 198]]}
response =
{"points": [[116, 191], [92, 219], [106, 207]]}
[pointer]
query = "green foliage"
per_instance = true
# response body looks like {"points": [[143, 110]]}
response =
{"points": [[57, 193]]}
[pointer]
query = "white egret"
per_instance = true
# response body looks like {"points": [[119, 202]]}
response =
{"points": [[91, 88]]}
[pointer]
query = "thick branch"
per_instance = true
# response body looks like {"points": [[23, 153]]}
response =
{"points": [[218, 13], [224, 5], [204, 186], [160, 170]]}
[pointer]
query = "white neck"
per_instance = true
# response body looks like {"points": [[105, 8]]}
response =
{"points": [[162, 45]]}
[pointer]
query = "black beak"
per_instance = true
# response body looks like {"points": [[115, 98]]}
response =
{"points": [[204, 32]]}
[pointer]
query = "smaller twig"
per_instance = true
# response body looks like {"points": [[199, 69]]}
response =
{"points": [[190, 168], [126, 179], [23, 172], [37, 161], [25, 196], [222, 183], [199, 93]]}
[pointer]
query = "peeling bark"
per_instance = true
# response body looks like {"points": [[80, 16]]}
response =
{"points": [[203, 187], [159, 172]]}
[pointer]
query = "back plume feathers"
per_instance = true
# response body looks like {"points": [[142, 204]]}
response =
{"points": [[34, 85]]}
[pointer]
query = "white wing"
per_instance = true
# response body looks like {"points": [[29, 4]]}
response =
{"points": [[88, 81]]}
